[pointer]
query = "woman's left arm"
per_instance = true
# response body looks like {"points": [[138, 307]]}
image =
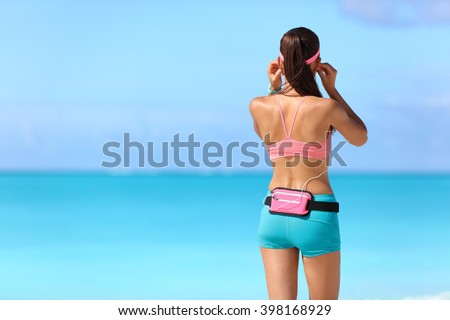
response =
{"points": [[253, 107]]}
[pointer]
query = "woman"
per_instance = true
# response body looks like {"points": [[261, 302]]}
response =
{"points": [[300, 161]]}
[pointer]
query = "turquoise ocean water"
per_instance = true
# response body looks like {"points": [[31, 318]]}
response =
{"points": [[172, 236]]}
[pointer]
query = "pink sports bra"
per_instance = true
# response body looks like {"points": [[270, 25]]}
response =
{"points": [[291, 147]]}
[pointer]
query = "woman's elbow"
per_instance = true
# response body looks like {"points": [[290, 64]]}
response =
{"points": [[361, 140]]}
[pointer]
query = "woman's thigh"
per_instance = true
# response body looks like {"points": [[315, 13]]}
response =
{"points": [[281, 268], [323, 275]]}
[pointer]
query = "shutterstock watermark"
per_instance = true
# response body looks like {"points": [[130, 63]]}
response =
{"points": [[213, 153]]}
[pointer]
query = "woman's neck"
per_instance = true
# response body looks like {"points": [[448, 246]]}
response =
{"points": [[290, 90]]}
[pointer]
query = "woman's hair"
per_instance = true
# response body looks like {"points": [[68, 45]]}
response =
{"points": [[298, 45]]}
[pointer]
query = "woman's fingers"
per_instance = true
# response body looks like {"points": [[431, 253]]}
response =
{"points": [[327, 68], [328, 76], [274, 73], [278, 73], [273, 67], [321, 73]]}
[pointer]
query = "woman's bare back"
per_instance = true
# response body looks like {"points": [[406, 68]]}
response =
{"points": [[310, 126]]}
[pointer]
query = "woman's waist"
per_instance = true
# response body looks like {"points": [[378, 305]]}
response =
{"points": [[319, 185]]}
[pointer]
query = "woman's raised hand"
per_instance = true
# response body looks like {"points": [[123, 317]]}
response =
{"points": [[328, 76], [274, 73]]}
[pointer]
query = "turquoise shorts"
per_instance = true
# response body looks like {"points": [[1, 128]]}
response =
{"points": [[313, 234]]}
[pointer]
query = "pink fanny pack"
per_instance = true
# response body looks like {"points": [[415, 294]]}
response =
{"points": [[296, 202]]}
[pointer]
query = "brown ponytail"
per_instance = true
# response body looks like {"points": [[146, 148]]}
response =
{"points": [[297, 45]]}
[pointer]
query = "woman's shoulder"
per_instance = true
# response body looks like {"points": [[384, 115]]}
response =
{"points": [[260, 104], [325, 104], [262, 100], [320, 100]]}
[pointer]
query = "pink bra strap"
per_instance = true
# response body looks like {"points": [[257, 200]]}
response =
{"points": [[295, 114], [282, 117]]}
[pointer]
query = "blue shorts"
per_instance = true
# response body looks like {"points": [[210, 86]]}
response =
{"points": [[314, 234]]}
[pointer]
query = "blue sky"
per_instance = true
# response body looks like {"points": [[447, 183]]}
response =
{"points": [[74, 75]]}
